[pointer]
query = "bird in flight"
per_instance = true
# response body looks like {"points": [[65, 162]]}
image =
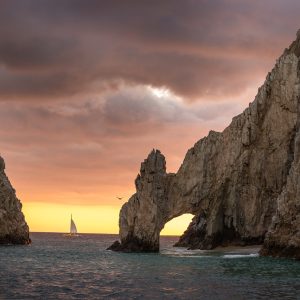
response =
{"points": [[120, 198]]}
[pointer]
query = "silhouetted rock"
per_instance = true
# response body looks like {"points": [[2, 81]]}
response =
{"points": [[116, 246], [13, 228]]}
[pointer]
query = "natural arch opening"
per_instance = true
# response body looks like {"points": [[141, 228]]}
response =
{"points": [[177, 226], [174, 229]]}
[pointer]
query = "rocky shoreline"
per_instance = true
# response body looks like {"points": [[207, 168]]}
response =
{"points": [[241, 184]]}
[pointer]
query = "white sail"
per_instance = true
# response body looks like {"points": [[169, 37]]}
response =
{"points": [[73, 229]]}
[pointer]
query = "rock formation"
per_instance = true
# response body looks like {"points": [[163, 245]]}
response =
{"points": [[13, 228], [241, 184]]}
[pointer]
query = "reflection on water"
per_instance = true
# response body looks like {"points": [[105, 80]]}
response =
{"points": [[56, 267]]}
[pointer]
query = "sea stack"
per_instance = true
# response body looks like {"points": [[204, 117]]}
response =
{"points": [[13, 227], [242, 185]]}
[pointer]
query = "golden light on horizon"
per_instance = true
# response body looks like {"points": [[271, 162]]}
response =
{"points": [[178, 225], [51, 217]]}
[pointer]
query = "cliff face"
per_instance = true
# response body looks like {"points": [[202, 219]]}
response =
{"points": [[13, 228], [237, 183], [283, 237]]}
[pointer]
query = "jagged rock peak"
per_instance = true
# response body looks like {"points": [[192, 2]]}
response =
{"points": [[155, 163], [2, 164], [13, 227]]}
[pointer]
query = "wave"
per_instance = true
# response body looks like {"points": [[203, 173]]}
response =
{"points": [[240, 255]]}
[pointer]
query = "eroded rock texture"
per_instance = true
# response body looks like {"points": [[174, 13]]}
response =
{"points": [[237, 183], [13, 228]]}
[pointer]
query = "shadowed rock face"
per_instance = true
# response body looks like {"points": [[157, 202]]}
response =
{"points": [[283, 237], [238, 183], [13, 228]]}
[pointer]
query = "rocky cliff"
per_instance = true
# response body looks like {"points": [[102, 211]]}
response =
{"points": [[241, 184], [13, 228]]}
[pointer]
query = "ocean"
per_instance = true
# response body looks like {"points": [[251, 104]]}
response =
{"points": [[58, 267]]}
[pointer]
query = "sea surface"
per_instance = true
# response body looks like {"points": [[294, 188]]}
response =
{"points": [[58, 267]]}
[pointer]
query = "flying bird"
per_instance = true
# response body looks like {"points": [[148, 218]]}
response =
{"points": [[120, 198]]}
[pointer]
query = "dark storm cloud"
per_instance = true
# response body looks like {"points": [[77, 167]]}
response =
{"points": [[198, 49]]}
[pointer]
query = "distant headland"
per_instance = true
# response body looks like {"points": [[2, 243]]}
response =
{"points": [[13, 227]]}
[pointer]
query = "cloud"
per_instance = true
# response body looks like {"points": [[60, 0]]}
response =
{"points": [[131, 111], [94, 145], [87, 89], [200, 50]]}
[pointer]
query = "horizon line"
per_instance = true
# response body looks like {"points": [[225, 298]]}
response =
{"points": [[58, 232]]}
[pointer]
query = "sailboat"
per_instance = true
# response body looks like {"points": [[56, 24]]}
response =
{"points": [[73, 229]]}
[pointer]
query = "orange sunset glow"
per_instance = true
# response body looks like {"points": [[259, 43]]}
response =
{"points": [[86, 94]]}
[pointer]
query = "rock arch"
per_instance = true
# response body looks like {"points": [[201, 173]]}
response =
{"points": [[143, 217], [234, 182]]}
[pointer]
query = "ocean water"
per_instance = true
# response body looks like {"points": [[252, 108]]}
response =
{"points": [[57, 267]]}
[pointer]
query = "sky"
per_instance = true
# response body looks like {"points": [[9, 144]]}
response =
{"points": [[89, 88]]}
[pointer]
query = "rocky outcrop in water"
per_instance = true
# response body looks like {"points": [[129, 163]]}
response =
{"points": [[13, 228], [241, 184]]}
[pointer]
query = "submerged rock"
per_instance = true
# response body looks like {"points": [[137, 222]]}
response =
{"points": [[240, 184], [13, 227]]}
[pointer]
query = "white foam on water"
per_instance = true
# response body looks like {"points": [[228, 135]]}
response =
{"points": [[240, 255], [193, 256], [183, 252]]}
